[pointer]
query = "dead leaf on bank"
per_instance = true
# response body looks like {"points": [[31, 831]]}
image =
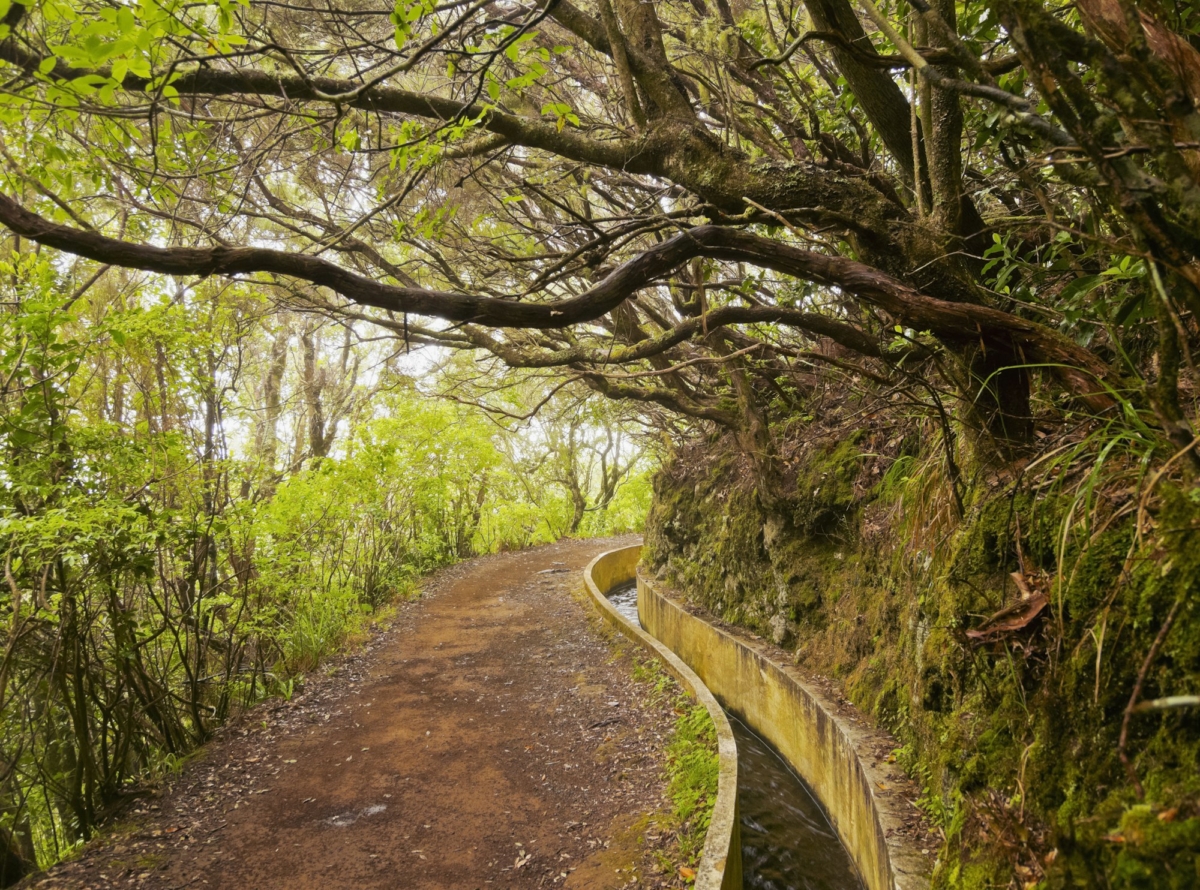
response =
{"points": [[688, 874], [1012, 618], [1029, 587]]}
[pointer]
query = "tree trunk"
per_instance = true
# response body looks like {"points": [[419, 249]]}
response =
{"points": [[314, 385]]}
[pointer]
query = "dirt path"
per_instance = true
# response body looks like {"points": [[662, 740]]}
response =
{"points": [[487, 738]]}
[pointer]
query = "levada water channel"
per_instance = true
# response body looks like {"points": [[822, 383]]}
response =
{"points": [[787, 841]]}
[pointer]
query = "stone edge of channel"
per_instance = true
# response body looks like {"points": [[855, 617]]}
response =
{"points": [[721, 860]]}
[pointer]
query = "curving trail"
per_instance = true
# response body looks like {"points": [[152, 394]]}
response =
{"points": [[487, 738]]}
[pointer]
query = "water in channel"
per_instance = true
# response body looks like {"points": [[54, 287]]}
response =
{"points": [[787, 841], [624, 597]]}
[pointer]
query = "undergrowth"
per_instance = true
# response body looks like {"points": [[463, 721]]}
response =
{"points": [[692, 764], [692, 770]]}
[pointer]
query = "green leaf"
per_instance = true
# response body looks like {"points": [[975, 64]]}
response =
{"points": [[1079, 287]]}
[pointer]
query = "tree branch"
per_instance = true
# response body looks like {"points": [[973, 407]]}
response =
{"points": [[954, 322]]}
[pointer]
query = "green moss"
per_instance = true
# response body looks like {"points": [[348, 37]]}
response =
{"points": [[825, 489]]}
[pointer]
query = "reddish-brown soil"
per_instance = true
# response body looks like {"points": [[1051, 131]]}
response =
{"points": [[490, 736]]}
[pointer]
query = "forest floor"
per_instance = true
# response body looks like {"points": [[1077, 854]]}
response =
{"points": [[492, 734]]}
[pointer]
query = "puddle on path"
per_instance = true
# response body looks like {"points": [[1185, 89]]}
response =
{"points": [[345, 820], [787, 841]]}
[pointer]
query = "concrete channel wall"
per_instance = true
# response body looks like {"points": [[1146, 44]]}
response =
{"points": [[721, 860], [838, 756]]}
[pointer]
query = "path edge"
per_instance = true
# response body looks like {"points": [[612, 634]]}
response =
{"points": [[721, 860], [828, 743]]}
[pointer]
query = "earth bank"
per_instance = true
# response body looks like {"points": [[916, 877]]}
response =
{"points": [[1000, 646]]}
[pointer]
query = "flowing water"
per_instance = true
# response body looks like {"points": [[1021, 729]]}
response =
{"points": [[624, 597], [787, 841]]}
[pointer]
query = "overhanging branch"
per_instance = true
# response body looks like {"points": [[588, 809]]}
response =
{"points": [[953, 322]]}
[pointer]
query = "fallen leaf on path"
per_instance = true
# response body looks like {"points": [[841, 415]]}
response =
{"points": [[688, 874]]}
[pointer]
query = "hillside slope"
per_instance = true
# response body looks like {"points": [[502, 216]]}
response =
{"points": [[1001, 646]]}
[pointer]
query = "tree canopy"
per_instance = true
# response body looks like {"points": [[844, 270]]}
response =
{"points": [[644, 193]]}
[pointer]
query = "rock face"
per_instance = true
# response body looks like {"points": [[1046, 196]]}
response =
{"points": [[781, 629], [859, 562]]}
